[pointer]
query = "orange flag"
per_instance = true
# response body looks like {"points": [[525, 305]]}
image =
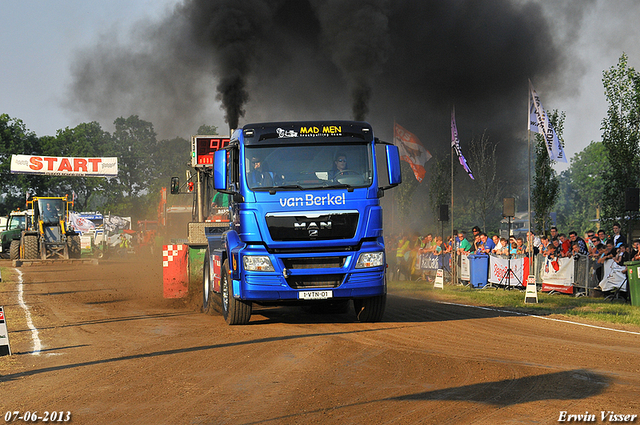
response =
{"points": [[411, 150]]}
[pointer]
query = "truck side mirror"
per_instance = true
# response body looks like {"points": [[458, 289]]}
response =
{"points": [[175, 185], [393, 165], [220, 170]]}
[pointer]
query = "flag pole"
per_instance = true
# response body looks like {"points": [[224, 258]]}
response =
{"points": [[529, 165], [453, 237]]}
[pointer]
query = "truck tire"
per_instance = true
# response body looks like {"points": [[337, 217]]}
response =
{"points": [[14, 250], [235, 312], [370, 309], [74, 247], [31, 247], [208, 296]]}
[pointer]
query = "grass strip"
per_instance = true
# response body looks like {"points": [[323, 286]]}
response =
{"points": [[595, 310]]}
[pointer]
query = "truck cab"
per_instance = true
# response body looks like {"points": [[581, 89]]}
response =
{"points": [[305, 218]]}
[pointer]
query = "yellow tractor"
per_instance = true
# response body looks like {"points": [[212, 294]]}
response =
{"points": [[48, 235]]}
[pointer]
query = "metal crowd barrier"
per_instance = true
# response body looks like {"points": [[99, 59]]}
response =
{"points": [[586, 274]]}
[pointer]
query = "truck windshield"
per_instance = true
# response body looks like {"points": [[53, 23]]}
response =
{"points": [[308, 166], [51, 210]]}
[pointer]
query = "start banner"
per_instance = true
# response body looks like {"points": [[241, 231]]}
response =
{"points": [[64, 166]]}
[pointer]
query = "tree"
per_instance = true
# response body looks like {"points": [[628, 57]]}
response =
{"points": [[620, 137], [581, 188], [487, 186], [134, 142], [16, 139], [207, 130], [84, 140], [546, 185]]}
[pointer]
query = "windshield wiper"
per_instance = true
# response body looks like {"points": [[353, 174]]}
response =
{"points": [[339, 185], [273, 189]]}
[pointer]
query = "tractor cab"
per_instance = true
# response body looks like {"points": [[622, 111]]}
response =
{"points": [[49, 236]]}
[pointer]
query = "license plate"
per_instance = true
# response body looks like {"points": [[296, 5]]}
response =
{"points": [[315, 295]]}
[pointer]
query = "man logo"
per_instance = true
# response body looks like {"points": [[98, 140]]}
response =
{"points": [[312, 227]]}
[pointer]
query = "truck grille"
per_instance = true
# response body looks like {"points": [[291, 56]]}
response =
{"points": [[314, 262], [315, 281], [326, 225]]}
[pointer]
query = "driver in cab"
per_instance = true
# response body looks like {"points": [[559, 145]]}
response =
{"points": [[339, 166], [50, 213], [258, 177]]}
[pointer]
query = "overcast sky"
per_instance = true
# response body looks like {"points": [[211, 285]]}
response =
{"points": [[39, 38]]}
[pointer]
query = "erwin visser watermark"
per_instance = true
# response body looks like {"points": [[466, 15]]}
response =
{"points": [[604, 416]]}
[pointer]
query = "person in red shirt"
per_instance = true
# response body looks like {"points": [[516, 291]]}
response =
{"points": [[566, 245]]}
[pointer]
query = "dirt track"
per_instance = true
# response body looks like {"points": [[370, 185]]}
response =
{"points": [[114, 351]]}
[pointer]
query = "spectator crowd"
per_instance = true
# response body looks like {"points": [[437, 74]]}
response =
{"points": [[599, 246]]}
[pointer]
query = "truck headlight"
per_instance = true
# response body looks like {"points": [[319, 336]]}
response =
{"points": [[370, 259], [257, 263]]}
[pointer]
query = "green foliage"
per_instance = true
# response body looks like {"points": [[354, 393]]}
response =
{"points": [[134, 141], [15, 138], [85, 140], [207, 130], [581, 189], [484, 200], [171, 160], [621, 137], [546, 186], [145, 165]]}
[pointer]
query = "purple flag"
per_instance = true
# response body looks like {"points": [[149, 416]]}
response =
{"points": [[455, 144]]}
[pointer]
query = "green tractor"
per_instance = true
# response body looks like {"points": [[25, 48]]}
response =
{"points": [[48, 235], [10, 233]]}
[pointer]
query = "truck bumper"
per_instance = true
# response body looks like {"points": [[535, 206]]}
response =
{"points": [[273, 287]]}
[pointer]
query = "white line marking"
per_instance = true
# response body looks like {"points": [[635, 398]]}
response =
{"points": [[540, 317], [37, 346]]}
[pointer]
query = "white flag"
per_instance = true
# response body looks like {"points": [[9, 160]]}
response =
{"points": [[539, 123], [81, 224]]}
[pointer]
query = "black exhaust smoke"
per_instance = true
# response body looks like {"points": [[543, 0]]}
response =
{"points": [[324, 59], [355, 34], [231, 30]]}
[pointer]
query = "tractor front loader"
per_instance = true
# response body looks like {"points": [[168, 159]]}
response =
{"points": [[48, 236]]}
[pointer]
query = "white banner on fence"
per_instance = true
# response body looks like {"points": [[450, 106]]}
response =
{"points": [[614, 276], [558, 272], [465, 271], [498, 271], [64, 166], [429, 262]]}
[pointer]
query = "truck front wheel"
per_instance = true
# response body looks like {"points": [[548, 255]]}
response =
{"points": [[370, 309], [235, 312], [208, 296]]}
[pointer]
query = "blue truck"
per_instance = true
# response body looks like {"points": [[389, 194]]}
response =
{"points": [[305, 222]]}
